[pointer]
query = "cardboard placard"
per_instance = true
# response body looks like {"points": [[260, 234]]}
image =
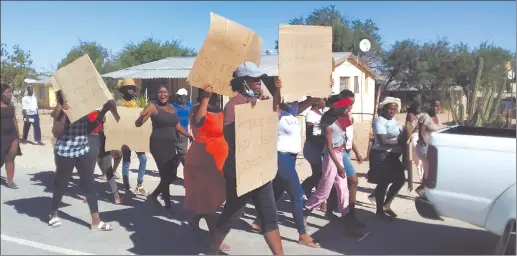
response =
{"points": [[227, 45], [303, 62], [82, 87], [256, 136], [124, 132]]}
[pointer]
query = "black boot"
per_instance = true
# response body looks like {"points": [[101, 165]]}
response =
{"points": [[355, 221], [125, 180], [350, 226]]}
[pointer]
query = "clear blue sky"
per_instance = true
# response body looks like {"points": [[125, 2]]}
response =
{"points": [[50, 29]]}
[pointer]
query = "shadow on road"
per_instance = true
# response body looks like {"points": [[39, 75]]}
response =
{"points": [[405, 237], [151, 231]]}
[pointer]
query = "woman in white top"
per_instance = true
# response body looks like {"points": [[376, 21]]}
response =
{"points": [[386, 170], [289, 146]]}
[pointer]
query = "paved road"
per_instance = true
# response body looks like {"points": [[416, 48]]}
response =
{"points": [[142, 229]]}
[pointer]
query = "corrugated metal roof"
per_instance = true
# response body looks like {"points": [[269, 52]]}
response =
{"points": [[41, 79], [179, 67]]}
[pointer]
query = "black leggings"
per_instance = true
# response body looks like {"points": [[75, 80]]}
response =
{"points": [[168, 175], [85, 166], [313, 181], [264, 200]]}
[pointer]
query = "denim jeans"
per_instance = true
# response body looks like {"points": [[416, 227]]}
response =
{"points": [[126, 160], [347, 163], [287, 180]]}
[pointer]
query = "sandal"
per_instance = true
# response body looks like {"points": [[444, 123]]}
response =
{"points": [[141, 191], [390, 212], [117, 199], [311, 244], [102, 226], [224, 247], [372, 199], [255, 228], [55, 222], [11, 185]]}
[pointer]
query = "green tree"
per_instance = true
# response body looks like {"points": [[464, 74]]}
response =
{"points": [[15, 67], [151, 50], [400, 63], [100, 56]]}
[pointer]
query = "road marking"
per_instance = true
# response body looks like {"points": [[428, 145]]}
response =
{"points": [[41, 246]]}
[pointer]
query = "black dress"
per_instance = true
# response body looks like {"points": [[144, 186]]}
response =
{"points": [[163, 137], [8, 132], [163, 150]]}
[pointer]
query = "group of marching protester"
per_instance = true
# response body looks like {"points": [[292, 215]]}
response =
{"points": [[210, 160]]}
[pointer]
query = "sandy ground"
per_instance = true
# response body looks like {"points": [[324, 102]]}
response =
{"points": [[141, 229]]}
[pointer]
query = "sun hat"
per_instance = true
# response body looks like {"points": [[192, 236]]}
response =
{"points": [[389, 100]]}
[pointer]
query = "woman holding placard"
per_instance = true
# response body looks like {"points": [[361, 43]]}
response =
{"points": [[163, 142], [287, 180], [205, 189], [72, 150], [245, 77]]}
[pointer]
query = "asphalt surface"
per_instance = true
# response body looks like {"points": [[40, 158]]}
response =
{"points": [[141, 228]]}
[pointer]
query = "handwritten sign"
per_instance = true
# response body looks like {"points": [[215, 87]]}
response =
{"points": [[124, 132], [303, 62], [82, 87], [255, 145], [226, 46]]}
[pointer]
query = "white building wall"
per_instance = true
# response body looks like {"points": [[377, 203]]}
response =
{"points": [[364, 97]]}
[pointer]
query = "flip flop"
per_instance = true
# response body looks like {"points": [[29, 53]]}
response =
{"points": [[313, 244], [255, 229], [391, 213], [102, 226], [55, 222], [224, 247]]}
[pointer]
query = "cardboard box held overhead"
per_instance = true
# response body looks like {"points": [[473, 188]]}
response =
{"points": [[82, 87], [303, 62], [226, 46]]}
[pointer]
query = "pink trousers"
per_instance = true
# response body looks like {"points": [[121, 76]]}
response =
{"points": [[329, 178]]}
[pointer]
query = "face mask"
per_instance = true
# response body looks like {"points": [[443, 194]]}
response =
{"points": [[249, 92], [181, 100]]}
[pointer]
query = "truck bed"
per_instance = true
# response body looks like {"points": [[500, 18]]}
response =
{"points": [[481, 131]]}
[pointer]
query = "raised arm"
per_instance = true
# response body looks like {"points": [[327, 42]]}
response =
{"points": [[307, 103], [148, 111], [200, 111], [109, 106], [277, 97]]}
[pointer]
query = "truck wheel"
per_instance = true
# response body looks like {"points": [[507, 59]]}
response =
{"points": [[506, 244]]}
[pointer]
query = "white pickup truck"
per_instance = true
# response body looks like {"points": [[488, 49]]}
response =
{"points": [[472, 178]]}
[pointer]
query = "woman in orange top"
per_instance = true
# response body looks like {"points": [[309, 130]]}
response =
{"points": [[203, 172]]}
